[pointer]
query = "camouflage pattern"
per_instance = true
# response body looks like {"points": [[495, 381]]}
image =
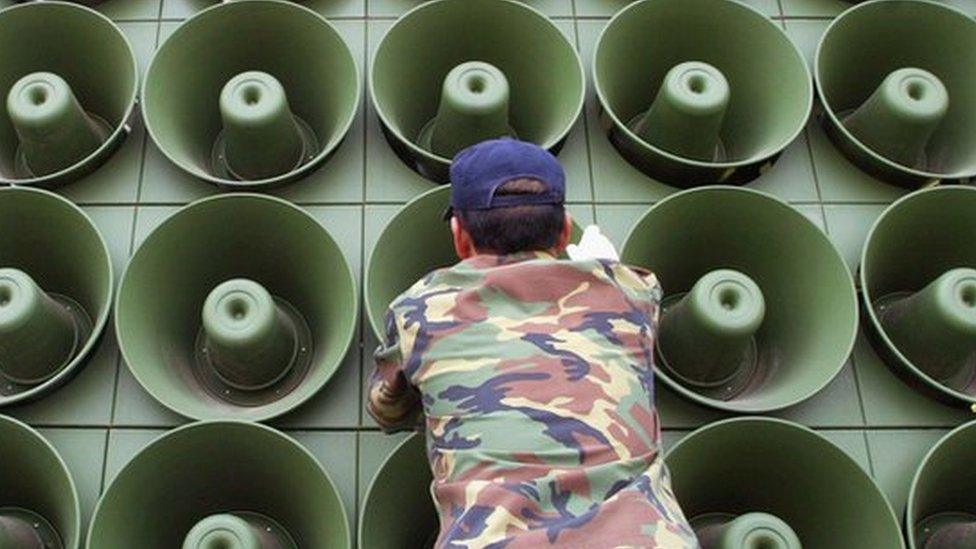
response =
{"points": [[532, 378]]}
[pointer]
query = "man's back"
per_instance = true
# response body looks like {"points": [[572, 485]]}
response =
{"points": [[536, 383]]}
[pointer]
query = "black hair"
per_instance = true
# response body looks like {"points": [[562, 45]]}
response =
{"points": [[513, 229]]}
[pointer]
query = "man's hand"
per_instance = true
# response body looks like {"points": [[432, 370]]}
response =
{"points": [[593, 245]]}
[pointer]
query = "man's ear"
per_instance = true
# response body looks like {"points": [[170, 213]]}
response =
{"points": [[463, 246], [566, 235]]}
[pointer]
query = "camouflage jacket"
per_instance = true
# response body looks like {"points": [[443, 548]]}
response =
{"points": [[533, 380]]}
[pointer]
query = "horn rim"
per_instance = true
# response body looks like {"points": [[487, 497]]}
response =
{"points": [[553, 144], [825, 443], [375, 486], [119, 132], [205, 424], [376, 324], [850, 290], [874, 326], [920, 471], [329, 149], [265, 413], [75, 500], [830, 114], [98, 324], [621, 125]]}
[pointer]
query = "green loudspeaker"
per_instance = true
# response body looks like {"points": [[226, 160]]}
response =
{"points": [[918, 283], [452, 73], [941, 512], [39, 506], [398, 512], [260, 106], [699, 91], [760, 310], [68, 83], [414, 243], [895, 78], [55, 291], [236, 306], [221, 485], [757, 483]]}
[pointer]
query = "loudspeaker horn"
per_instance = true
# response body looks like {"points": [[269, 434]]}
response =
{"points": [[237, 306], [221, 484], [398, 512], [941, 511], [262, 106], [39, 506], [918, 284], [452, 73], [895, 78], [68, 96], [55, 291], [760, 311], [752, 482], [415, 242], [694, 92]]}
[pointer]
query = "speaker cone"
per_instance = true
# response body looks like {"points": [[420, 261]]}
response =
{"points": [[699, 91], [759, 312], [895, 80], [452, 73], [68, 83], [237, 306], [261, 106]]}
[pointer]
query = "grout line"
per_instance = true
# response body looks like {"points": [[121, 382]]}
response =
{"points": [[362, 243], [867, 449], [374, 429], [132, 239], [157, 427], [356, 503], [104, 471], [586, 125], [857, 387], [816, 176], [401, 202]]}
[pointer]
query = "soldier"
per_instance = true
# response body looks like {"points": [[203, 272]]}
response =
{"points": [[531, 375]]}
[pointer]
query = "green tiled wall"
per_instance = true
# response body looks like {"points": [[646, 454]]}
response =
{"points": [[103, 417]]}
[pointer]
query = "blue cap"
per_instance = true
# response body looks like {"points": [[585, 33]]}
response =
{"points": [[479, 170]]}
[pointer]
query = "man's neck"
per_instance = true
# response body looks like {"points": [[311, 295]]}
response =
{"points": [[541, 253]]}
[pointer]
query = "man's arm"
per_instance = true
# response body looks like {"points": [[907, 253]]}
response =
{"points": [[393, 402]]}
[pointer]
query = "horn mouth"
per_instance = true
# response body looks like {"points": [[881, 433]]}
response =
{"points": [[230, 140], [738, 129], [40, 507], [300, 294], [543, 105], [794, 323], [938, 513], [782, 471], [935, 142], [404, 476], [923, 230], [55, 292], [65, 118], [222, 478]]}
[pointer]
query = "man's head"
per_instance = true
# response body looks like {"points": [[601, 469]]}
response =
{"points": [[507, 197]]}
